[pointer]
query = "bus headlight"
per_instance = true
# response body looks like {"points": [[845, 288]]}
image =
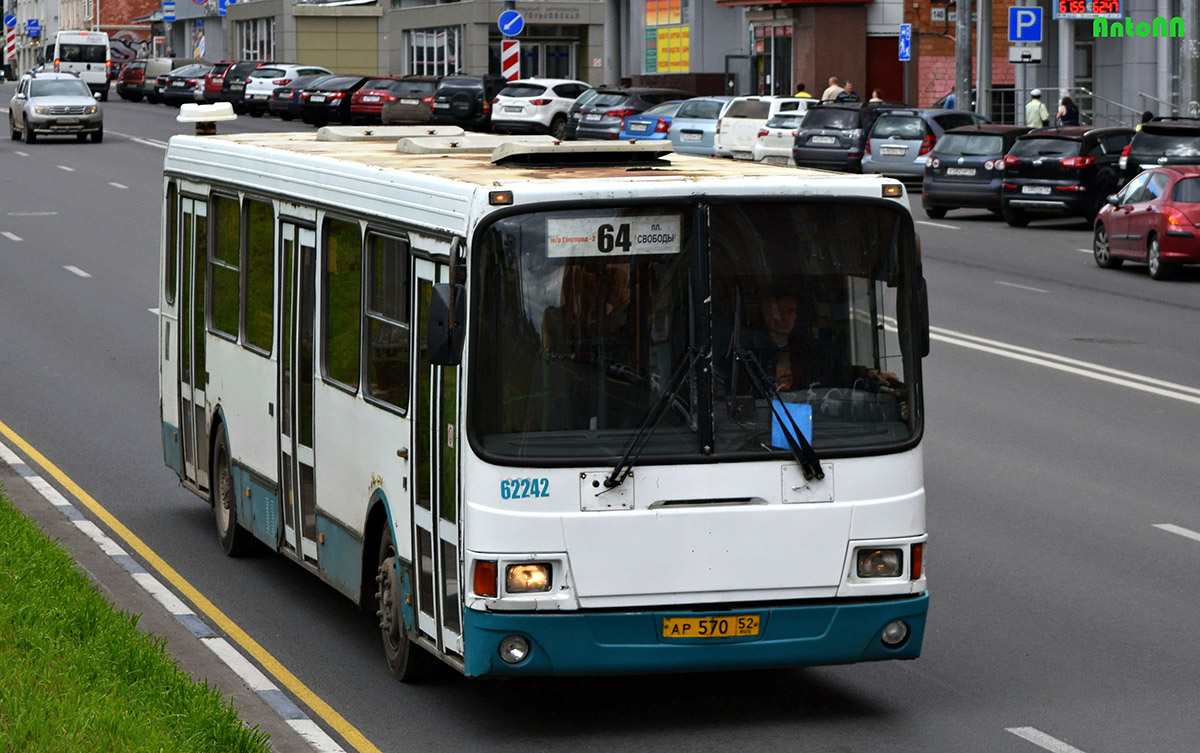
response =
{"points": [[880, 563], [528, 578]]}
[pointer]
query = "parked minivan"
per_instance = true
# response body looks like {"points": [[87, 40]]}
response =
{"points": [[739, 126]]}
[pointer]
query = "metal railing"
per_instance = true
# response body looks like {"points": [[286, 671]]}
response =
{"points": [[1167, 107], [1093, 109]]}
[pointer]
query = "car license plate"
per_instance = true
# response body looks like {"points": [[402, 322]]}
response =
{"points": [[237, 87], [726, 626], [410, 101], [594, 116], [691, 136], [179, 84], [894, 151], [370, 98], [317, 98], [823, 140], [1040, 190], [637, 126], [516, 108], [68, 121], [964, 172], [441, 105]]}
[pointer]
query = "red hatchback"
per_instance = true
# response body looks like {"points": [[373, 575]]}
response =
{"points": [[367, 103], [213, 80], [1154, 219]]}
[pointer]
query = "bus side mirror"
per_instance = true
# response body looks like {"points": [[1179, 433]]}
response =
{"points": [[922, 316], [447, 313]]}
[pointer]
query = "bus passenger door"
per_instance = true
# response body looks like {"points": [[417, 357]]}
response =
{"points": [[193, 429], [435, 479], [297, 296]]}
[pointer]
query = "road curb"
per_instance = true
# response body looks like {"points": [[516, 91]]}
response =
{"points": [[199, 649]]}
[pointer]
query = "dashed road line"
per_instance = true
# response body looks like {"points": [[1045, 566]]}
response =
{"points": [[1042, 740], [1085, 250], [114, 184], [12, 236], [1178, 530], [154, 311], [18, 151], [938, 224], [1020, 287], [32, 214], [76, 271], [65, 168], [148, 142]]}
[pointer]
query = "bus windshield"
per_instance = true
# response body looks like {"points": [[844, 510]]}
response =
{"points": [[82, 53], [585, 315]]}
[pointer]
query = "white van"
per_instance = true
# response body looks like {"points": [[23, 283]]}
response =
{"points": [[86, 54], [738, 128]]}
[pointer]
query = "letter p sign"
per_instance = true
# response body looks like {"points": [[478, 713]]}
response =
{"points": [[1024, 24]]}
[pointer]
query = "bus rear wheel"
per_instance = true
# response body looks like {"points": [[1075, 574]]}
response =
{"points": [[236, 541], [408, 662]]}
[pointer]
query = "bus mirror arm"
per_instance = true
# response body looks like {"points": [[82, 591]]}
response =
{"points": [[447, 312]]}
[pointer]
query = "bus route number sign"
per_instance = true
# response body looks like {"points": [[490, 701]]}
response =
{"points": [[612, 236]]}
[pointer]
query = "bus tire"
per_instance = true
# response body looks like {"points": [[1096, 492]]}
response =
{"points": [[409, 662], [235, 540]]}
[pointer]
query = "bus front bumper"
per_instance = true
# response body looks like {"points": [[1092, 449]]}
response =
{"points": [[594, 643]]}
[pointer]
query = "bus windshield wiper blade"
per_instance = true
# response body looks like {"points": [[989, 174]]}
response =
{"points": [[646, 427], [810, 464]]}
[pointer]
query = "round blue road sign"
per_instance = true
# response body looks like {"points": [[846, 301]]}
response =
{"points": [[511, 23]]}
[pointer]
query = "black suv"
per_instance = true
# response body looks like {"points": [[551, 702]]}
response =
{"points": [[1062, 171], [466, 101], [1162, 141], [832, 135]]}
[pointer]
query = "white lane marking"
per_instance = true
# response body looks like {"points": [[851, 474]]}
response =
{"points": [[162, 594], [1070, 366], [1042, 740], [11, 236], [76, 271], [148, 142], [1177, 529], [1085, 250], [1019, 287], [65, 168], [32, 214], [154, 311], [18, 151], [117, 185], [937, 224], [257, 681], [315, 736], [107, 545]]}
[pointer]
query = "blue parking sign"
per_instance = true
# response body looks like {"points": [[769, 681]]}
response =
{"points": [[1024, 24], [906, 42]]}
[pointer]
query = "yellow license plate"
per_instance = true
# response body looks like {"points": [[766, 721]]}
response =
{"points": [[732, 626]]}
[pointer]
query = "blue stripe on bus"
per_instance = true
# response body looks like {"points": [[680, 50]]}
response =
{"points": [[569, 643], [172, 453], [340, 557]]}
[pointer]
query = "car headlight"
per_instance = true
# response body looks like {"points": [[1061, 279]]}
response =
{"points": [[41, 110], [528, 578], [92, 110]]}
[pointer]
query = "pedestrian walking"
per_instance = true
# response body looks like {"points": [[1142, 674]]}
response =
{"points": [[834, 89], [1068, 113], [1036, 114]]}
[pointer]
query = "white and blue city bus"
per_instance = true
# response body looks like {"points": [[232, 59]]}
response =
{"points": [[555, 408]]}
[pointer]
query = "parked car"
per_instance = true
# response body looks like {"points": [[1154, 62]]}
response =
{"points": [[466, 101], [366, 106], [414, 101], [285, 100], [328, 100], [694, 127], [966, 168], [573, 112], [137, 81], [535, 105], [210, 92], [833, 135], [604, 116], [1162, 141], [180, 85], [1155, 219], [775, 139], [129, 81], [899, 141], [261, 83], [1062, 171], [233, 83], [51, 104], [653, 124], [738, 128]]}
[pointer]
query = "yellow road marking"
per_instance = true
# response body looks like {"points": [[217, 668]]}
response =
{"points": [[210, 610]]}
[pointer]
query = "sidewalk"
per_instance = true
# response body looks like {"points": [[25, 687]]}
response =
{"points": [[115, 582]]}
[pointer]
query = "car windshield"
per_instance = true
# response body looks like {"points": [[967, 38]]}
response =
{"points": [[195, 69], [1169, 144], [970, 144], [338, 83], [591, 311], [461, 83], [1186, 191], [523, 90], [831, 117], [380, 84], [138, 66], [608, 99], [665, 110], [61, 87], [905, 127], [755, 109], [416, 87], [784, 121], [82, 53], [1045, 147], [268, 73], [585, 98], [700, 109]]}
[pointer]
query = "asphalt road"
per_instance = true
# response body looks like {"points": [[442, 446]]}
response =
{"points": [[1062, 405]]}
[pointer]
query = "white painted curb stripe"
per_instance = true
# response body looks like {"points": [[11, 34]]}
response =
{"points": [[161, 594], [1042, 740], [1176, 529], [315, 736], [107, 545], [257, 681]]}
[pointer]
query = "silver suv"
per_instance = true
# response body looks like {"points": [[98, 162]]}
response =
{"points": [[54, 103]]}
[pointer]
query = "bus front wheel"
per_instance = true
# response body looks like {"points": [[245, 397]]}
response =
{"points": [[408, 662], [236, 541]]}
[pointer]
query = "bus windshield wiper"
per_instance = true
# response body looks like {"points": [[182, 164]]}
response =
{"points": [[646, 427], [810, 464]]}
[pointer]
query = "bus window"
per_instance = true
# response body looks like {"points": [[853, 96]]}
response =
{"points": [[260, 275], [171, 247], [342, 322], [226, 264], [388, 329]]}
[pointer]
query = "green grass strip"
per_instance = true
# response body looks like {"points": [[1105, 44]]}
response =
{"points": [[77, 675]]}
